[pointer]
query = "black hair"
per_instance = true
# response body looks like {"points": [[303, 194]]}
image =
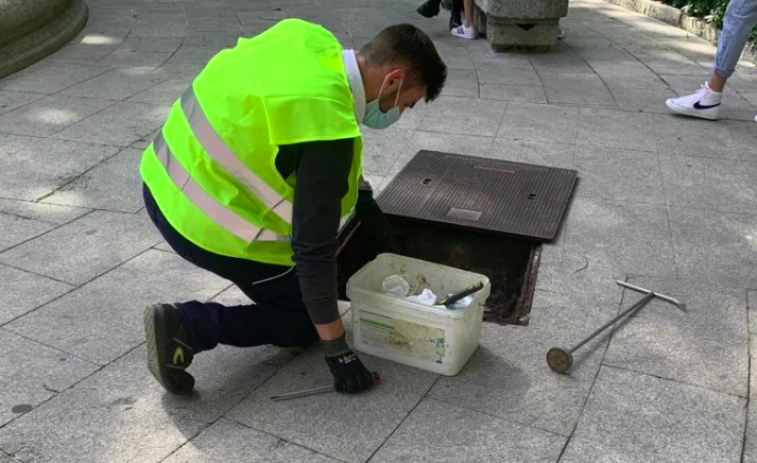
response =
{"points": [[408, 45]]}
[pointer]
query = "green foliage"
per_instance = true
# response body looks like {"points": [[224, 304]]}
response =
{"points": [[711, 11]]}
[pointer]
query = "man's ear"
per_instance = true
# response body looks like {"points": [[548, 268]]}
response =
{"points": [[396, 75]]}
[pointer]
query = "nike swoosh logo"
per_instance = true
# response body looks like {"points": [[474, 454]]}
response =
{"points": [[699, 106]]}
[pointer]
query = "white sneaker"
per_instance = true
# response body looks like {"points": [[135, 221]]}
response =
{"points": [[703, 103], [465, 32]]}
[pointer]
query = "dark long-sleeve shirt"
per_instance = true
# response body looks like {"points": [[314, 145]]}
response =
{"points": [[322, 171]]}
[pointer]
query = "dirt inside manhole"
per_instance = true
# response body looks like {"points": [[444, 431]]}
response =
{"points": [[510, 263]]}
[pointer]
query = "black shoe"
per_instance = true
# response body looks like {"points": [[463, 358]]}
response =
{"points": [[169, 348], [429, 8]]}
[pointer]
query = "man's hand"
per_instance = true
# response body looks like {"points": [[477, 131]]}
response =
{"points": [[350, 375]]}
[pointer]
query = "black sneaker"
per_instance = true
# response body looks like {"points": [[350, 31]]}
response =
{"points": [[169, 348], [429, 8]]}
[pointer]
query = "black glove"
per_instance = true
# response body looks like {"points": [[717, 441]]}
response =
{"points": [[374, 221], [350, 375]]}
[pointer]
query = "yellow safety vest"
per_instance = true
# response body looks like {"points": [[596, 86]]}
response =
{"points": [[212, 168]]}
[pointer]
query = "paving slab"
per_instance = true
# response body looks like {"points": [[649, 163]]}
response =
{"points": [[442, 142], [470, 436], [11, 144], [121, 124], [229, 442], [455, 61], [643, 100], [103, 319], [575, 311], [508, 377], [49, 115], [716, 247], [17, 229], [539, 122], [165, 93], [710, 183], [616, 129], [41, 212], [113, 185], [12, 100], [750, 444], [382, 148], [512, 70], [462, 83], [24, 291], [706, 346], [193, 55], [348, 428], [103, 240], [690, 136], [132, 59], [561, 60], [119, 84], [619, 175], [669, 62], [152, 44], [631, 417], [33, 373], [121, 414], [145, 140], [576, 88], [46, 166], [546, 153], [752, 311], [226, 39], [742, 138], [48, 78], [519, 93], [627, 77], [452, 115], [159, 28], [86, 53], [617, 237]]}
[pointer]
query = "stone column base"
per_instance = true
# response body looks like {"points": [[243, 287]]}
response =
{"points": [[35, 29], [524, 24]]}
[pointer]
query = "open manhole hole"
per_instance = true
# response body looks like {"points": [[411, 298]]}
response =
{"points": [[477, 214]]}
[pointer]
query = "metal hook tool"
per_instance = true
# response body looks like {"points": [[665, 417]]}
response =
{"points": [[315, 390], [560, 359]]}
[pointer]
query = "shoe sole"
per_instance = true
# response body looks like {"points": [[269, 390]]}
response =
{"points": [[691, 112], [465, 37], [154, 321]]}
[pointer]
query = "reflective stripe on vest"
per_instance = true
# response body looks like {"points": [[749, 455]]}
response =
{"points": [[220, 152], [216, 211]]}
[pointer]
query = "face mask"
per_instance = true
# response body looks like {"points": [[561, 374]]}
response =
{"points": [[376, 119]]}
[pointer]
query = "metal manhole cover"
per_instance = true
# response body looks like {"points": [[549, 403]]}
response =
{"points": [[511, 198]]}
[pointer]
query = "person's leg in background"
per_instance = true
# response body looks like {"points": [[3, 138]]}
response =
{"points": [[431, 8], [466, 30], [456, 14], [177, 332], [739, 20]]}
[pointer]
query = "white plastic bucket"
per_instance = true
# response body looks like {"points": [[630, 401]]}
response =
{"points": [[435, 339]]}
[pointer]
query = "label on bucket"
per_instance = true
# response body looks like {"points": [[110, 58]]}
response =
{"points": [[411, 339]]}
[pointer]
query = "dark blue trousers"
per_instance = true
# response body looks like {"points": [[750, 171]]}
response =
{"points": [[278, 316]]}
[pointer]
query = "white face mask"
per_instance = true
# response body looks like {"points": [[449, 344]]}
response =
{"points": [[376, 119]]}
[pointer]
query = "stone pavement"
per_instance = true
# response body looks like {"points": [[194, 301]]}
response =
{"points": [[663, 201]]}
